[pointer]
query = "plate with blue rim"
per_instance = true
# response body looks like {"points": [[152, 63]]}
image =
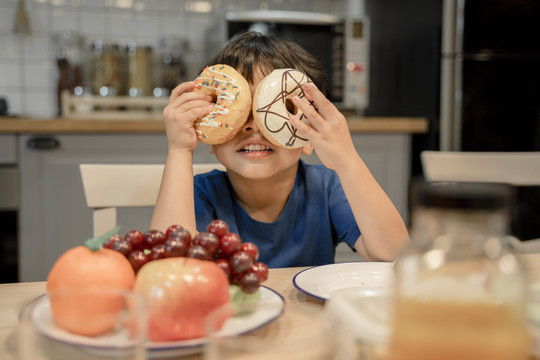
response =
{"points": [[322, 281], [257, 319]]}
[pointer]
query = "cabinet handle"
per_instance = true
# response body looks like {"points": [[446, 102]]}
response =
{"points": [[43, 143]]}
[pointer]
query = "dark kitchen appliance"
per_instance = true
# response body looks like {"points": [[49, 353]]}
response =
{"points": [[490, 86], [340, 44]]}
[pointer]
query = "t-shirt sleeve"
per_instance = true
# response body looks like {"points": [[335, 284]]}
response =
{"points": [[341, 215]]}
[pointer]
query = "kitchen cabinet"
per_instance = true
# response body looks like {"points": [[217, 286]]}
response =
{"points": [[53, 215], [8, 149], [8, 173], [9, 203]]}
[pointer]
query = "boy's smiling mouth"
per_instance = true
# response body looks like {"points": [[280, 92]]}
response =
{"points": [[255, 148]]}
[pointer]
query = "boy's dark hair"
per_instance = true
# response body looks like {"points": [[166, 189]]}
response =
{"points": [[251, 49]]}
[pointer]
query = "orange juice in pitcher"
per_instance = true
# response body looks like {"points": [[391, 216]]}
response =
{"points": [[445, 330]]}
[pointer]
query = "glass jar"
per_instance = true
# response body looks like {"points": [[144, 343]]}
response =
{"points": [[70, 59], [138, 78], [171, 67], [460, 292], [106, 69]]}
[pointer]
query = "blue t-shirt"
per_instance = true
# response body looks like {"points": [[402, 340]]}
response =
{"points": [[315, 219]]}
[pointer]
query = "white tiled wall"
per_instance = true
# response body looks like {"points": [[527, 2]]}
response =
{"points": [[27, 64]]}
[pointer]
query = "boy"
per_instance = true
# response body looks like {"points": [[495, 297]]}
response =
{"points": [[295, 213]]}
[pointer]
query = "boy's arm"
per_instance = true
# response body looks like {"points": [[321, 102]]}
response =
{"points": [[175, 202], [383, 230]]}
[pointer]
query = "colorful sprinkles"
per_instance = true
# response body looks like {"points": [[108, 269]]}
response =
{"points": [[227, 86]]}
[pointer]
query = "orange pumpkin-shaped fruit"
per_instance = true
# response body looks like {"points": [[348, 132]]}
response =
{"points": [[76, 286]]}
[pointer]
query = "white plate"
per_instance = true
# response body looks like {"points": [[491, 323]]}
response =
{"points": [[233, 326], [322, 281]]}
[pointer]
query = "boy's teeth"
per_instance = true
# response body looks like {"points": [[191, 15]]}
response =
{"points": [[255, 148]]}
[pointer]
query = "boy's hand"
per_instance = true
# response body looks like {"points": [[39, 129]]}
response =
{"points": [[327, 129], [184, 108]]}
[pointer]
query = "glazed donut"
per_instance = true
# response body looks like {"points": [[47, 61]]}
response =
{"points": [[272, 106], [233, 103]]}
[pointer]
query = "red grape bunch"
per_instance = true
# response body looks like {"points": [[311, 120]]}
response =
{"points": [[237, 259]]}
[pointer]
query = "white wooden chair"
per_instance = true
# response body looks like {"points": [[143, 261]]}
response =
{"points": [[514, 168], [111, 186]]}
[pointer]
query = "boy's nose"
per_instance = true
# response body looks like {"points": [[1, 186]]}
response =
{"points": [[250, 124]]}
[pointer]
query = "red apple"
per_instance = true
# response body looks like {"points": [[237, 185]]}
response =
{"points": [[180, 293]]}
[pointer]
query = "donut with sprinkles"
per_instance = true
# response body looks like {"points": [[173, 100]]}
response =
{"points": [[232, 103]]}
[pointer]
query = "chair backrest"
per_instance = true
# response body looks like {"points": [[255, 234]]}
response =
{"points": [[111, 186], [515, 168]]}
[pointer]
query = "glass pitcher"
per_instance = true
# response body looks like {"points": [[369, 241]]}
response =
{"points": [[460, 292]]}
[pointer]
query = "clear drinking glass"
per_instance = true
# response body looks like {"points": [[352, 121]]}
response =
{"points": [[362, 321], [83, 324], [299, 334]]}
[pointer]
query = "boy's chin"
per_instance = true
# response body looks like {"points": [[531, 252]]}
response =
{"points": [[263, 170]]}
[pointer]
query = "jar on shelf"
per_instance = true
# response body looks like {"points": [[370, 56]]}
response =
{"points": [[460, 291], [139, 64], [70, 53], [106, 69], [171, 70]]}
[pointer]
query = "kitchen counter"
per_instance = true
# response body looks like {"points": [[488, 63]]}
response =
{"points": [[13, 125]]}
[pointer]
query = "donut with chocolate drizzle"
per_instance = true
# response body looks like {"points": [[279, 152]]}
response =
{"points": [[273, 105]]}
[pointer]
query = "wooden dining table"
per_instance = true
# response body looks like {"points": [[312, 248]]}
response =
{"points": [[14, 296]]}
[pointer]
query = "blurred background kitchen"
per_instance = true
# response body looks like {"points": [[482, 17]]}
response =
{"points": [[28, 66], [470, 69], [403, 44]]}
